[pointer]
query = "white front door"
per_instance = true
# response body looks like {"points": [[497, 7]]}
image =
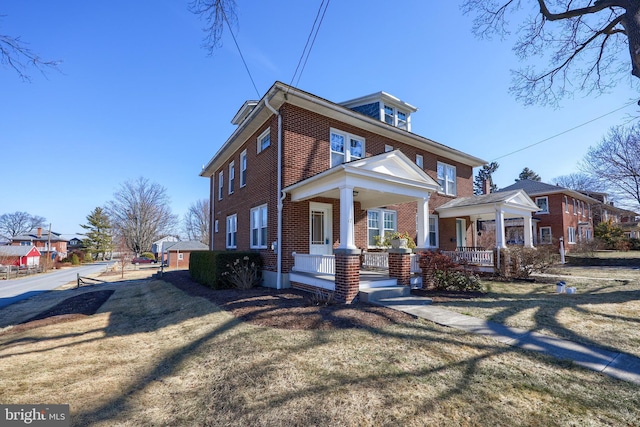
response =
{"points": [[461, 232], [320, 230]]}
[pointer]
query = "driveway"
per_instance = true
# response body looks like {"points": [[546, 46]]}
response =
{"points": [[15, 290]]}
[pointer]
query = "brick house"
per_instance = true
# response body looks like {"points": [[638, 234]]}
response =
{"points": [[51, 245], [563, 213], [310, 183], [177, 254]]}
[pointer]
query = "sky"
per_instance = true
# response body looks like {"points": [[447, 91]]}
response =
{"points": [[136, 94]]}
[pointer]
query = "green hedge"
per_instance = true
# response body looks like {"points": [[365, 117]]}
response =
{"points": [[207, 267]]}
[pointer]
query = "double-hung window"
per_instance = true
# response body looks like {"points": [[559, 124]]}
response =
{"points": [[264, 140], [395, 117], [545, 235], [220, 184], [543, 204], [232, 231], [259, 227], [243, 168], [232, 177], [419, 161], [379, 223], [571, 231], [433, 231], [447, 178], [345, 147]]}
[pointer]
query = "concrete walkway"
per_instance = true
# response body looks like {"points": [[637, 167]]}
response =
{"points": [[617, 365]]}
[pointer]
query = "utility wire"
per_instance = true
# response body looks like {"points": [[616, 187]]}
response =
{"points": [[224, 15], [566, 131], [300, 61]]}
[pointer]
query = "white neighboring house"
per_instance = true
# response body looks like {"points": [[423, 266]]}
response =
{"points": [[156, 247]]}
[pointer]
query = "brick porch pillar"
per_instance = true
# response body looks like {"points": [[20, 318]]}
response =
{"points": [[347, 274], [400, 265]]}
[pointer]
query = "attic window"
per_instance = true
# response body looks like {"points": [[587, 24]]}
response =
{"points": [[395, 117]]}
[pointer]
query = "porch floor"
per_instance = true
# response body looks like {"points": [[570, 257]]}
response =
{"points": [[368, 279]]}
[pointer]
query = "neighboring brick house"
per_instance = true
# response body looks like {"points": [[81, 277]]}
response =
{"points": [[53, 246], [302, 176], [177, 254], [563, 213]]}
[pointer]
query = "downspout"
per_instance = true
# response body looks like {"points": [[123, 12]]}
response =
{"points": [[280, 197]]}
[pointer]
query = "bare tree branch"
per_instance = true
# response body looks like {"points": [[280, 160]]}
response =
{"points": [[215, 13], [196, 221]]}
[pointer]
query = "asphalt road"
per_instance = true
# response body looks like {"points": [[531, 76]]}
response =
{"points": [[15, 290]]}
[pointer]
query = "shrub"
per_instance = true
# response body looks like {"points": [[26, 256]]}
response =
{"points": [[457, 280], [242, 273], [321, 298], [635, 244], [207, 267], [75, 260], [522, 262], [608, 233]]}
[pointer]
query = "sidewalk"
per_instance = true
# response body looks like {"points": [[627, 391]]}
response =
{"points": [[617, 365]]}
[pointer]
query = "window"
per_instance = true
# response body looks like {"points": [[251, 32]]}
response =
{"points": [[566, 204], [389, 116], [243, 168], [543, 204], [447, 178], [545, 235], [433, 231], [419, 161], [575, 209], [259, 227], [402, 120], [388, 148], [220, 184], [571, 231], [395, 117], [264, 140], [380, 222], [345, 147], [232, 231], [215, 226], [232, 176], [579, 207], [180, 256]]}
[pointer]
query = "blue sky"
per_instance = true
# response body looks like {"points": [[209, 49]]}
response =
{"points": [[137, 95]]}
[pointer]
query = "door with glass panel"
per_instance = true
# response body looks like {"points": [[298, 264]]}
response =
{"points": [[320, 230]]}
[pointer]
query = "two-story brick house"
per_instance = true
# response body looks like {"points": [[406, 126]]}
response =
{"points": [[50, 244], [302, 176], [563, 213]]}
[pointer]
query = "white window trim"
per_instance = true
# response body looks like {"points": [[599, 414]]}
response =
{"points": [[232, 227], [347, 147], [395, 119], [215, 226], [243, 168], [540, 235], [260, 245], [433, 219], [566, 204], [232, 176], [180, 256], [543, 198], [261, 137], [220, 184], [420, 161], [575, 208], [445, 188], [381, 229], [571, 235]]}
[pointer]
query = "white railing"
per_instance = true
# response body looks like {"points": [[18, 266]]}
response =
{"points": [[375, 260], [325, 264], [415, 263], [484, 258]]}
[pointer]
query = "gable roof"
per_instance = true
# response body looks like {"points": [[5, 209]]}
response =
{"points": [[514, 203], [538, 188], [281, 93], [19, 251], [191, 245], [392, 174]]}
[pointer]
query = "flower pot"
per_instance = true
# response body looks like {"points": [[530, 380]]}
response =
{"points": [[399, 243]]}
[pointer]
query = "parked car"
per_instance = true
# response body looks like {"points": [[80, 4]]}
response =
{"points": [[143, 260]]}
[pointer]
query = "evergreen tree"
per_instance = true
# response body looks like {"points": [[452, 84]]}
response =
{"points": [[528, 174], [98, 240], [485, 174]]}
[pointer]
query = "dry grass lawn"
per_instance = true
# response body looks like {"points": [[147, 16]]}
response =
{"points": [[154, 356], [605, 311]]}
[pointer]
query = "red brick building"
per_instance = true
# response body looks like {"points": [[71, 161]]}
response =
{"points": [[302, 176]]}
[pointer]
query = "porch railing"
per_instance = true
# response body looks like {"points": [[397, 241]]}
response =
{"points": [[325, 264], [483, 258], [415, 263], [375, 260]]}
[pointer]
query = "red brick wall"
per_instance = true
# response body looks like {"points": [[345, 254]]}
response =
{"points": [[560, 220]]}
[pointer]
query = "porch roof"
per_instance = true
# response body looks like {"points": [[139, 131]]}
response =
{"points": [[513, 204], [381, 180]]}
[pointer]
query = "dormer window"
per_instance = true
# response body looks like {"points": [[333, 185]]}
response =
{"points": [[384, 107], [395, 117]]}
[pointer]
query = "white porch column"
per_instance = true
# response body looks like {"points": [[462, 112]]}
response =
{"points": [[347, 215], [423, 223], [500, 236], [528, 236]]}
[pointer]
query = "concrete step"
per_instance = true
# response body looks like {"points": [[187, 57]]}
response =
{"points": [[375, 294]]}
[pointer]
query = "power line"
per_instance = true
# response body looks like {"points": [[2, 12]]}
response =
{"points": [[224, 15], [312, 41], [566, 131]]}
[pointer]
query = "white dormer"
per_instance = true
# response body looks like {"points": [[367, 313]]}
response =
{"points": [[243, 112], [384, 107]]}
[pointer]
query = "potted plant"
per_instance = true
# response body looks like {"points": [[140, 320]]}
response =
{"points": [[395, 240]]}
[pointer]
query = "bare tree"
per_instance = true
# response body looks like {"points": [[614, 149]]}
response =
{"points": [[584, 42], [579, 182], [15, 54], [616, 163], [140, 213], [196, 221], [215, 13], [17, 223]]}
